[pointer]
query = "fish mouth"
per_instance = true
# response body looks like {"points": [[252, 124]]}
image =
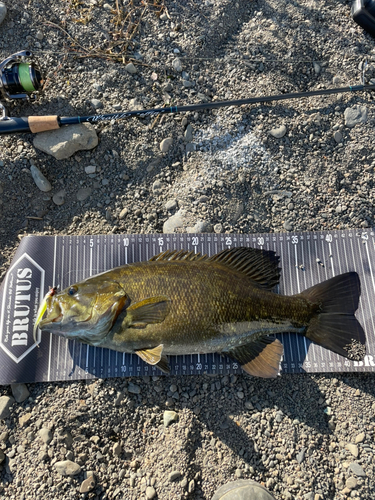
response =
{"points": [[54, 311], [56, 319]]}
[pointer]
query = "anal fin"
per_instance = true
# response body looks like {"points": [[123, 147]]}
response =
{"points": [[155, 357], [260, 358]]}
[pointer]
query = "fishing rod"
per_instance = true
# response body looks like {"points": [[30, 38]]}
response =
{"points": [[23, 80]]}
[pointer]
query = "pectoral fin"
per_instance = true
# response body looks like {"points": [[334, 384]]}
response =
{"points": [[261, 358], [148, 311], [155, 357]]}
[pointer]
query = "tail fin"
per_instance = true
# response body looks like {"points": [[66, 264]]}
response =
{"points": [[335, 327]]}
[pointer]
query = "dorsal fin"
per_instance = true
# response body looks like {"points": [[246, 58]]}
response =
{"points": [[178, 255], [259, 265]]}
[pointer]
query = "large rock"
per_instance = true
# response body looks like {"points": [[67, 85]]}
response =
{"points": [[67, 140], [243, 489], [3, 11]]}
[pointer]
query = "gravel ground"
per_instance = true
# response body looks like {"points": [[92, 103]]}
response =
{"points": [[292, 165]]}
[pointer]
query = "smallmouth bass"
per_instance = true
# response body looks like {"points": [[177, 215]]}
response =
{"points": [[179, 302]]}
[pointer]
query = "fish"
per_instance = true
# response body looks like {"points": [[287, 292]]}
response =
{"points": [[181, 302]]}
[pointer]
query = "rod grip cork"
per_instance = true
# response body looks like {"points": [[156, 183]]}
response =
{"points": [[43, 123]]}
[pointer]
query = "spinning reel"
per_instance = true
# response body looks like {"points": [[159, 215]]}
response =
{"points": [[19, 78]]}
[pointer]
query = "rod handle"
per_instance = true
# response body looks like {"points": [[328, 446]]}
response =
{"points": [[43, 123], [14, 126]]}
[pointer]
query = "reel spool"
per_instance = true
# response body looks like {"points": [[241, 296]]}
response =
{"points": [[19, 78]]}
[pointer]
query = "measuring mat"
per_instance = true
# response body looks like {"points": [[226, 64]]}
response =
{"points": [[43, 261]]}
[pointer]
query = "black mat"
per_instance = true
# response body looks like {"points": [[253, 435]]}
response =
{"points": [[42, 261]]}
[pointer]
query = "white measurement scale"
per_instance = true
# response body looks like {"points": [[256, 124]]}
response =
{"points": [[43, 261]]}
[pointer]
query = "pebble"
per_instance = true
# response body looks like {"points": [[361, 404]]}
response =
{"points": [[188, 135], [67, 468], [157, 187], [83, 194], [356, 114], [5, 403], [90, 169], [201, 227], [317, 68], [351, 482], [169, 417], [190, 147], [174, 222], [353, 448], [119, 397], [177, 65], [301, 456], [338, 137], [166, 144], [357, 469], [87, 485], [96, 103], [218, 228], [23, 420], [279, 132], [130, 68], [20, 392], [288, 226], [134, 104], [124, 212], [150, 492], [133, 388], [358, 439], [171, 205], [174, 475], [59, 197], [45, 435], [40, 180], [117, 449], [3, 12]]}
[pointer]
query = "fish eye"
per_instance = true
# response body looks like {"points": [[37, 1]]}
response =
{"points": [[72, 290]]}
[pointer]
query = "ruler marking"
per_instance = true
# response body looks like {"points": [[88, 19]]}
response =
{"points": [[326, 264], [336, 256], [364, 244], [282, 266], [353, 256], [311, 283], [51, 334], [118, 251]]}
